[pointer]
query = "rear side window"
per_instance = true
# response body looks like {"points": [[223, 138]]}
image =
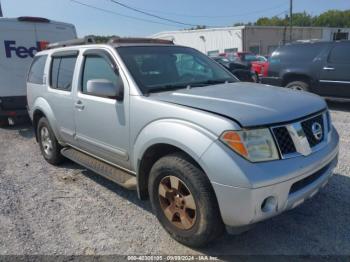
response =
{"points": [[36, 72], [62, 71], [297, 53], [340, 54]]}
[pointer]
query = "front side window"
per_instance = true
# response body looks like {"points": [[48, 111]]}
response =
{"points": [[340, 54], [97, 67], [62, 71], [36, 72], [160, 68]]}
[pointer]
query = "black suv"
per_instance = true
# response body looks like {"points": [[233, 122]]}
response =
{"points": [[319, 67]]}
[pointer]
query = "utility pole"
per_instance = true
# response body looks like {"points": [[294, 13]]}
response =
{"points": [[291, 21], [0, 10]]}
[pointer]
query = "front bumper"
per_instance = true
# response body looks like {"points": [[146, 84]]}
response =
{"points": [[245, 198]]}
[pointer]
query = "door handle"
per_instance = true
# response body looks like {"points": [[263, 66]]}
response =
{"points": [[329, 68], [79, 105]]}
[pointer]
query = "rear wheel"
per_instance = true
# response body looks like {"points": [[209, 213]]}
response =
{"points": [[298, 85], [49, 146], [183, 201]]}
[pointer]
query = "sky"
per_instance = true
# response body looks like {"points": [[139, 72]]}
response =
{"points": [[113, 19]]}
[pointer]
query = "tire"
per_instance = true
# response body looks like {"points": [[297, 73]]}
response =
{"points": [[298, 85], [49, 146], [206, 223]]}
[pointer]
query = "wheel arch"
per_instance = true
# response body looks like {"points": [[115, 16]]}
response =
{"points": [[150, 157], [290, 77], [163, 138], [41, 108]]}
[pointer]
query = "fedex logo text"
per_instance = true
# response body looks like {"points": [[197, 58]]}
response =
{"points": [[22, 51]]}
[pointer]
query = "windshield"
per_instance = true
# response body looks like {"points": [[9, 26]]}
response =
{"points": [[161, 68]]}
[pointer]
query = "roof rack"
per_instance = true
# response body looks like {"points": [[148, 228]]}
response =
{"points": [[139, 40], [316, 40], [79, 41], [33, 19], [116, 40]]}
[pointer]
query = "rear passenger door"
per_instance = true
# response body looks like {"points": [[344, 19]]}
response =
{"points": [[59, 95], [102, 127], [335, 73]]}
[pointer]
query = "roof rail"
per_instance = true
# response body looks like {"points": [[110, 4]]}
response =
{"points": [[33, 19], [139, 40], [316, 40], [79, 41]]}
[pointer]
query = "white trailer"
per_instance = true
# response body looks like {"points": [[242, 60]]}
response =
{"points": [[210, 41], [20, 39]]}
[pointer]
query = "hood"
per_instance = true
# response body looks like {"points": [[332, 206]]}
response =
{"points": [[249, 104]]}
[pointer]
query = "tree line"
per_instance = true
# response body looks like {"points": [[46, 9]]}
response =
{"points": [[331, 18]]}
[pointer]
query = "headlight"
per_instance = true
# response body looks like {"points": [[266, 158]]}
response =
{"points": [[255, 145]]}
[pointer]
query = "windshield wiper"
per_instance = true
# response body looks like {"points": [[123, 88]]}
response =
{"points": [[171, 87], [165, 88], [211, 82]]}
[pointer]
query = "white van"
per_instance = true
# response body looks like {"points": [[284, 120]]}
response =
{"points": [[20, 39]]}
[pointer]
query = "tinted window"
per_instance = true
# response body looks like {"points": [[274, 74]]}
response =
{"points": [[340, 54], [297, 53], [36, 72], [62, 70], [97, 67], [54, 71]]}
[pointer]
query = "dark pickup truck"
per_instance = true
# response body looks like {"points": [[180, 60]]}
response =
{"points": [[319, 67]]}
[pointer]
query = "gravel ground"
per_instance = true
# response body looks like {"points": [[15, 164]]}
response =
{"points": [[71, 211]]}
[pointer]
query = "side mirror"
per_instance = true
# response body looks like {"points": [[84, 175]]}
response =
{"points": [[105, 88]]}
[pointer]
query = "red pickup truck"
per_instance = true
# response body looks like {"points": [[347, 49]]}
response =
{"points": [[259, 64]]}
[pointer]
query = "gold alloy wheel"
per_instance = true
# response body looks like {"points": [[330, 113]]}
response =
{"points": [[177, 202]]}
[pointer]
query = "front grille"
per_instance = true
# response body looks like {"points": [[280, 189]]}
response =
{"points": [[307, 127], [284, 140], [308, 180]]}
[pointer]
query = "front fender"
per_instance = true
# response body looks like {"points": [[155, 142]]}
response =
{"points": [[190, 138], [42, 105]]}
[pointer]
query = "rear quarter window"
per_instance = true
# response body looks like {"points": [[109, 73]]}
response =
{"points": [[297, 53], [36, 71]]}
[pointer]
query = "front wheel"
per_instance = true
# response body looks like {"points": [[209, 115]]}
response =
{"points": [[183, 201], [49, 146], [298, 85]]}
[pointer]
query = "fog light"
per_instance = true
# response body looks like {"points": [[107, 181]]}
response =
{"points": [[269, 204]]}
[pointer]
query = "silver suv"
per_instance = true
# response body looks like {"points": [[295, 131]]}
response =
{"points": [[207, 150]]}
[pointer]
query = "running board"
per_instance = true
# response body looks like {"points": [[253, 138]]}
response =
{"points": [[108, 171]]}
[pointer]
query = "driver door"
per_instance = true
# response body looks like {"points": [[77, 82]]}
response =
{"points": [[102, 128]]}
